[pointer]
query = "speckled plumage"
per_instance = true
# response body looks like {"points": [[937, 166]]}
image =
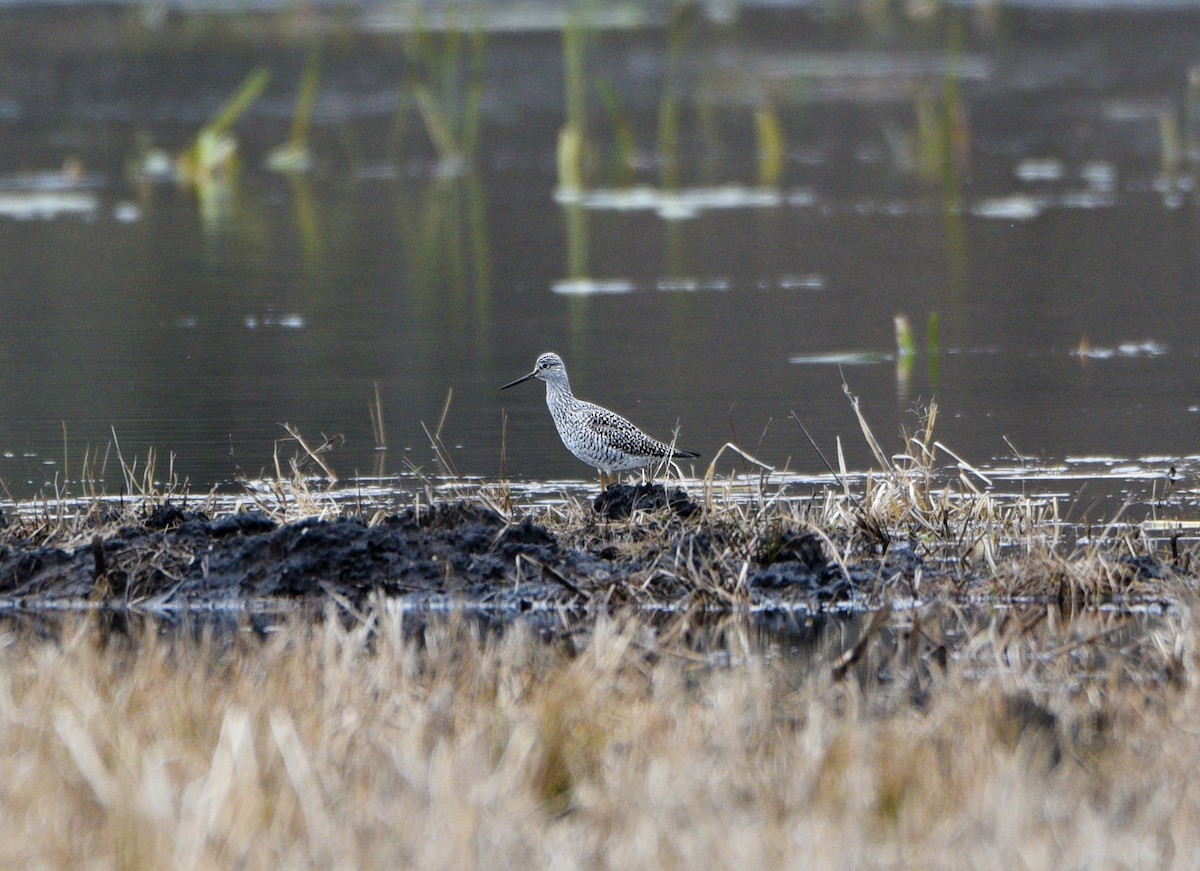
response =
{"points": [[601, 438]]}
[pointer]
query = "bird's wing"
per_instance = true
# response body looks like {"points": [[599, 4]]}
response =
{"points": [[616, 430]]}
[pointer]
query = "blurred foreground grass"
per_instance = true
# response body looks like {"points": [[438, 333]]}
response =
{"points": [[1022, 739]]}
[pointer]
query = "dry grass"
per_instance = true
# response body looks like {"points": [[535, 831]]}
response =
{"points": [[966, 538], [1022, 740]]}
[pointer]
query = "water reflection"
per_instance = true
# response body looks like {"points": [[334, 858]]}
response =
{"points": [[444, 236]]}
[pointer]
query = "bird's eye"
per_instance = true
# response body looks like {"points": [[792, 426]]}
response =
{"points": [[545, 364]]}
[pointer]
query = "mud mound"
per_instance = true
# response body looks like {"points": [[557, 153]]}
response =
{"points": [[798, 562], [175, 558], [621, 500], [449, 549]]}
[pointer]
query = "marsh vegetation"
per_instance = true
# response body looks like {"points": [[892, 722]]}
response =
{"points": [[963, 637], [913, 530], [940, 741]]}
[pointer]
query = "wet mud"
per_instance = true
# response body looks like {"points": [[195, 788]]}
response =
{"points": [[619, 501], [644, 546], [460, 553]]}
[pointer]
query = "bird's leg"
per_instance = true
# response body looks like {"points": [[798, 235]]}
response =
{"points": [[603, 480]]}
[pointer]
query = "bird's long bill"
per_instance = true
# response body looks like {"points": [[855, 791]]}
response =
{"points": [[519, 380]]}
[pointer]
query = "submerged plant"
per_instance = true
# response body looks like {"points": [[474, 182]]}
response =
{"points": [[294, 156], [443, 229], [769, 134], [572, 137], [445, 81], [208, 166], [210, 157]]}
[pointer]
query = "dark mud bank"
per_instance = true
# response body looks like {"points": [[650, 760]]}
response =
{"points": [[455, 552], [641, 546]]}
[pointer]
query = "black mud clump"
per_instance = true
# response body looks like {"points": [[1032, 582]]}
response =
{"points": [[185, 556], [621, 500], [527, 537], [797, 561], [168, 516], [244, 523]]}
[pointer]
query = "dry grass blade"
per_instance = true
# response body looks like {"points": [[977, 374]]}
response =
{"points": [[841, 482], [86, 756], [315, 454], [445, 413], [375, 410], [304, 781], [964, 464], [877, 451], [710, 472]]}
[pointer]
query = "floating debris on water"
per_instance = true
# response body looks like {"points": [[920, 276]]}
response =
{"points": [[1099, 174], [286, 322], [1148, 348], [1087, 352], [845, 358], [1018, 207], [586, 286], [29, 206], [71, 177], [127, 212], [1087, 200], [1040, 169], [156, 165], [51, 194], [691, 285], [676, 205], [802, 282], [802, 198]]}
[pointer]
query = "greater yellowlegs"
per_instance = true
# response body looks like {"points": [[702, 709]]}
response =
{"points": [[601, 438]]}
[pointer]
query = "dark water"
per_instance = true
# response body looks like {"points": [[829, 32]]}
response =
{"points": [[1028, 176]]}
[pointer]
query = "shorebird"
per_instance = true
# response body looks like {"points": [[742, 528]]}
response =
{"points": [[601, 438]]}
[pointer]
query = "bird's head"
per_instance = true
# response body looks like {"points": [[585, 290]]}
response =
{"points": [[549, 367]]}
